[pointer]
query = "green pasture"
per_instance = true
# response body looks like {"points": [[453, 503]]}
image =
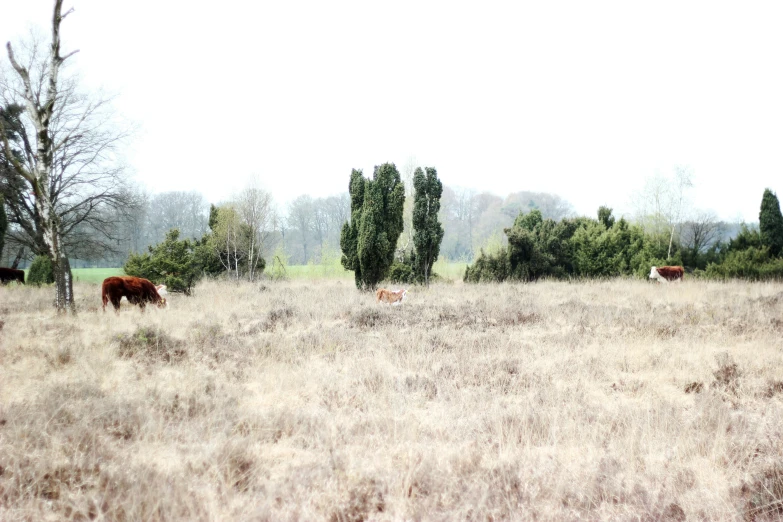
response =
{"points": [[94, 275], [446, 270]]}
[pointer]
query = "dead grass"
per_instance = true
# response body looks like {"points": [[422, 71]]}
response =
{"points": [[616, 400]]}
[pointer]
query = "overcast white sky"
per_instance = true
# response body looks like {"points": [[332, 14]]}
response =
{"points": [[582, 99]]}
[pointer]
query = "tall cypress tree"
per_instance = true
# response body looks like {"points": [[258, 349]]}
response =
{"points": [[349, 236], [427, 230], [771, 223], [369, 240], [381, 224]]}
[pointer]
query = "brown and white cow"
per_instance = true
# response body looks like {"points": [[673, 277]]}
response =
{"points": [[137, 290], [161, 292], [665, 274], [393, 297], [11, 274]]}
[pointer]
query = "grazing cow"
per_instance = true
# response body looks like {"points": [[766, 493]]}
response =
{"points": [[160, 288], [11, 274], [137, 290], [390, 296], [665, 274]]}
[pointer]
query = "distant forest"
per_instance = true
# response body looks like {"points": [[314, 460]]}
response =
{"points": [[308, 228]]}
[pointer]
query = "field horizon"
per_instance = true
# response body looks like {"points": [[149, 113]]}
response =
{"points": [[307, 400]]}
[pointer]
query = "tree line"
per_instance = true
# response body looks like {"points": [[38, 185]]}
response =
{"points": [[585, 247]]}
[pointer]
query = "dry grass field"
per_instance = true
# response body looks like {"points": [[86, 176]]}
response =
{"points": [[618, 400]]}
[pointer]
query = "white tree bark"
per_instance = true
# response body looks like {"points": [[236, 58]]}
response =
{"points": [[40, 111]]}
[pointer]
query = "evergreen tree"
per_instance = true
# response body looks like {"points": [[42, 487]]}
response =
{"points": [[368, 242], [349, 236], [381, 224], [605, 216], [40, 272], [173, 263], [3, 225], [427, 230], [771, 223]]}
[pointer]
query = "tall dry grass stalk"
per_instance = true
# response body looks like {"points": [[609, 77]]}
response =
{"points": [[615, 400]]}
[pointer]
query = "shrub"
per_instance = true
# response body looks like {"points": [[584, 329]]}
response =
{"points": [[173, 263], [41, 271], [753, 263], [489, 268], [401, 273]]}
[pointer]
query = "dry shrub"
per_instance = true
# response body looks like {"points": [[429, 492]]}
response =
{"points": [[278, 316], [694, 387], [370, 317], [727, 375], [774, 387], [763, 495], [360, 501], [238, 465], [421, 384], [151, 345], [673, 513]]}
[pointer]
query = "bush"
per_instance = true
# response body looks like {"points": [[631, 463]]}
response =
{"points": [[40, 271], [401, 273], [753, 263], [173, 263], [489, 268]]}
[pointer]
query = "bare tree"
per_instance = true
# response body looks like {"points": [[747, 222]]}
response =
{"points": [[301, 222], [63, 178], [701, 232], [186, 211], [661, 204], [551, 206], [226, 239], [255, 208]]}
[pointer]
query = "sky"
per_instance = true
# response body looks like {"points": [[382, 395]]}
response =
{"points": [[582, 99]]}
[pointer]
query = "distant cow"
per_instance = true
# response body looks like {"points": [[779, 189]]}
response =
{"points": [[665, 274], [137, 290], [11, 274], [390, 296]]}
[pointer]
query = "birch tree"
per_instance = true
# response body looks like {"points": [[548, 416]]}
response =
{"points": [[41, 101], [256, 212], [661, 205], [63, 188]]}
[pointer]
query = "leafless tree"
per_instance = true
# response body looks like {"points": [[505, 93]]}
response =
{"points": [[701, 232], [301, 220], [255, 208], [661, 205], [63, 179], [186, 211], [551, 206]]}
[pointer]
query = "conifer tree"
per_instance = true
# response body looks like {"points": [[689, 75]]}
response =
{"points": [[368, 242], [349, 236], [771, 223], [427, 230]]}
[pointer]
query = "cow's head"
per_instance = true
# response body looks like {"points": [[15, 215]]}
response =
{"points": [[163, 303], [656, 276]]}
